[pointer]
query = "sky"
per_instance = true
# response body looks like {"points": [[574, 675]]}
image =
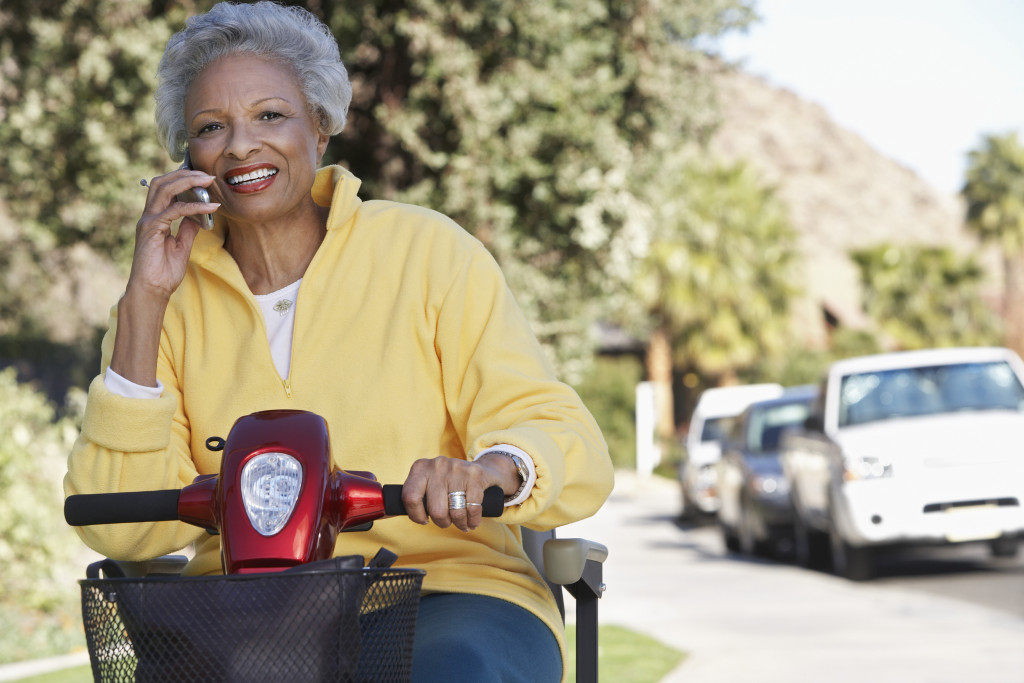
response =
{"points": [[922, 81]]}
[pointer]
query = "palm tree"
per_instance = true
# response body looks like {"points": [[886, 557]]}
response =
{"points": [[923, 296], [718, 278], [994, 191]]}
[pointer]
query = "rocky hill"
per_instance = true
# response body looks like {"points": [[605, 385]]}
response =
{"points": [[842, 194]]}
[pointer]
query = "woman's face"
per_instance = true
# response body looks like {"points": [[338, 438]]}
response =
{"points": [[249, 125]]}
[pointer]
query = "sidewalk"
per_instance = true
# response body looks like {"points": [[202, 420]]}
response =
{"points": [[774, 623], [38, 667]]}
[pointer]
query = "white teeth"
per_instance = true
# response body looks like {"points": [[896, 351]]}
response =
{"points": [[255, 175]]}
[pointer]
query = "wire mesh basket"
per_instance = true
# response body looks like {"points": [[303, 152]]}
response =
{"points": [[336, 625]]}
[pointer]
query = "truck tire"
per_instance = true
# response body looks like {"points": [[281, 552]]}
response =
{"points": [[810, 547], [1004, 546], [856, 563]]}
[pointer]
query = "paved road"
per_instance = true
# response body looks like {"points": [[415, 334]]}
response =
{"points": [[774, 623]]}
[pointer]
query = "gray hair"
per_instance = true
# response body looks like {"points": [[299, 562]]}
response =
{"points": [[291, 36]]}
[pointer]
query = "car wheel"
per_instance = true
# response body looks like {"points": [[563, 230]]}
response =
{"points": [[1004, 546], [856, 563], [729, 537], [687, 509], [749, 543]]}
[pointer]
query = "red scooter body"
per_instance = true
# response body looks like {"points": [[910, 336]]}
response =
{"points": [[278, 501], [328, 501]]}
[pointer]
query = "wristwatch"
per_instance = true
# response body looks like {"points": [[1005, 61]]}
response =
{"points": [[521, 469]]}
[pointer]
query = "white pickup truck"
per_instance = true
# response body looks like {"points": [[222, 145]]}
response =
{"points": [[909, 448]]}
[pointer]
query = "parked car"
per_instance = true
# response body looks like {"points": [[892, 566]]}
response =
{"points": [[755, 514], [910, 448], [716, 410]]}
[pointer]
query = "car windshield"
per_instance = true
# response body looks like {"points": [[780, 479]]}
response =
{"points": [[768, 423], [716, 428], [902, 392]]}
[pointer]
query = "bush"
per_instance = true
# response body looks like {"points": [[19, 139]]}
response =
{"points": [[37, 549], [609, 391]]}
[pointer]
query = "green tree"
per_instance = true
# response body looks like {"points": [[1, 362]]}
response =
{"points": [[994, 192], [537, 126], [924, 296], [716, 284], [76, 117]]}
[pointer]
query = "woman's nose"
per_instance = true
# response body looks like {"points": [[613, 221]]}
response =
{"points": [[242, 142]]}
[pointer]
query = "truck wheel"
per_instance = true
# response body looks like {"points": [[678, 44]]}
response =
{"points": [[1004, 546], [856, 563], [809, 547]]}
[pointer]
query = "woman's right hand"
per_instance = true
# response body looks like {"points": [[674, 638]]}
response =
{"points": [[158, 267], [161, 257]]}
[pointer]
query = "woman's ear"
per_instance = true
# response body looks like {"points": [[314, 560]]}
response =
{"points": [[321, 146]]}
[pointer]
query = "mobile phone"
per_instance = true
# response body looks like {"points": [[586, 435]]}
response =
{"points": [[197, 194]]}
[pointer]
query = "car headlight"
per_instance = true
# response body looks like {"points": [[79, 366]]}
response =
{"points": [[771, 485], [866, 467], [271, 483]]}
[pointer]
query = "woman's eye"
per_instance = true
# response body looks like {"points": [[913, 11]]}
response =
{"points": [[270, 115], [209, 128]]}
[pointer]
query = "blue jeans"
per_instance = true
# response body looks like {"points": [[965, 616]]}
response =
{"points": [[479, 639]]}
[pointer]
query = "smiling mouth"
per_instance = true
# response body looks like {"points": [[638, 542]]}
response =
{"points": [[252, 177]]}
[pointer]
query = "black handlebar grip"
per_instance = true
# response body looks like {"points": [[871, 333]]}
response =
{"points": [[118, 508], [493, 502]]}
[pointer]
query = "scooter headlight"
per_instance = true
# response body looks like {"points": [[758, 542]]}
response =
{"points": [[271, 483]]}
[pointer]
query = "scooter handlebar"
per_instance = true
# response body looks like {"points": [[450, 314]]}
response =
{"points": [[162, 506], [493, 502], [117, 508]]}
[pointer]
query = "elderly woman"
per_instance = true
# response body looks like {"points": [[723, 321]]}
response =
{"points": [[389, 320]]}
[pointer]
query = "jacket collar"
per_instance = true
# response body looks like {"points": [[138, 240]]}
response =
{"points": [[333, 186]]}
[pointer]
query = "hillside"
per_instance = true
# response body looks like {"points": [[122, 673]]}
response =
{"points": [[841, 193]]}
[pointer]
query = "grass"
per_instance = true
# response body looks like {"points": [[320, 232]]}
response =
{"points": [[76, 674], [624, 656]]}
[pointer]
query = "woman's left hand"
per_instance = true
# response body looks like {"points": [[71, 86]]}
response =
{"points": [[435, 478]]}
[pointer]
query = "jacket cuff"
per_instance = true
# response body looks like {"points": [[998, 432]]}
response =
{"points": [[129, 425], [527, 460]]}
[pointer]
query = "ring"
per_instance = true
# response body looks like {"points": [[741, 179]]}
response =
{"points": [[475, 505], [144, 182], [457, 500]]}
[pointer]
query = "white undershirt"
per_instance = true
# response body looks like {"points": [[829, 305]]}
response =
{"points": [[279, 316]]}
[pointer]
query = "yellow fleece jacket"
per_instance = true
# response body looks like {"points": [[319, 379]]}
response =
{"points": [[410, 345]]}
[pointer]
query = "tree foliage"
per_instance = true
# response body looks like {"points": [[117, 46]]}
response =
{"points": [[77, 117], [720, 272], [537, 126], [994, 192], [925, 296]]}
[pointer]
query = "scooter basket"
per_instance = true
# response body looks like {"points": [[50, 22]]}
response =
{"points": [[338, 625]]}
